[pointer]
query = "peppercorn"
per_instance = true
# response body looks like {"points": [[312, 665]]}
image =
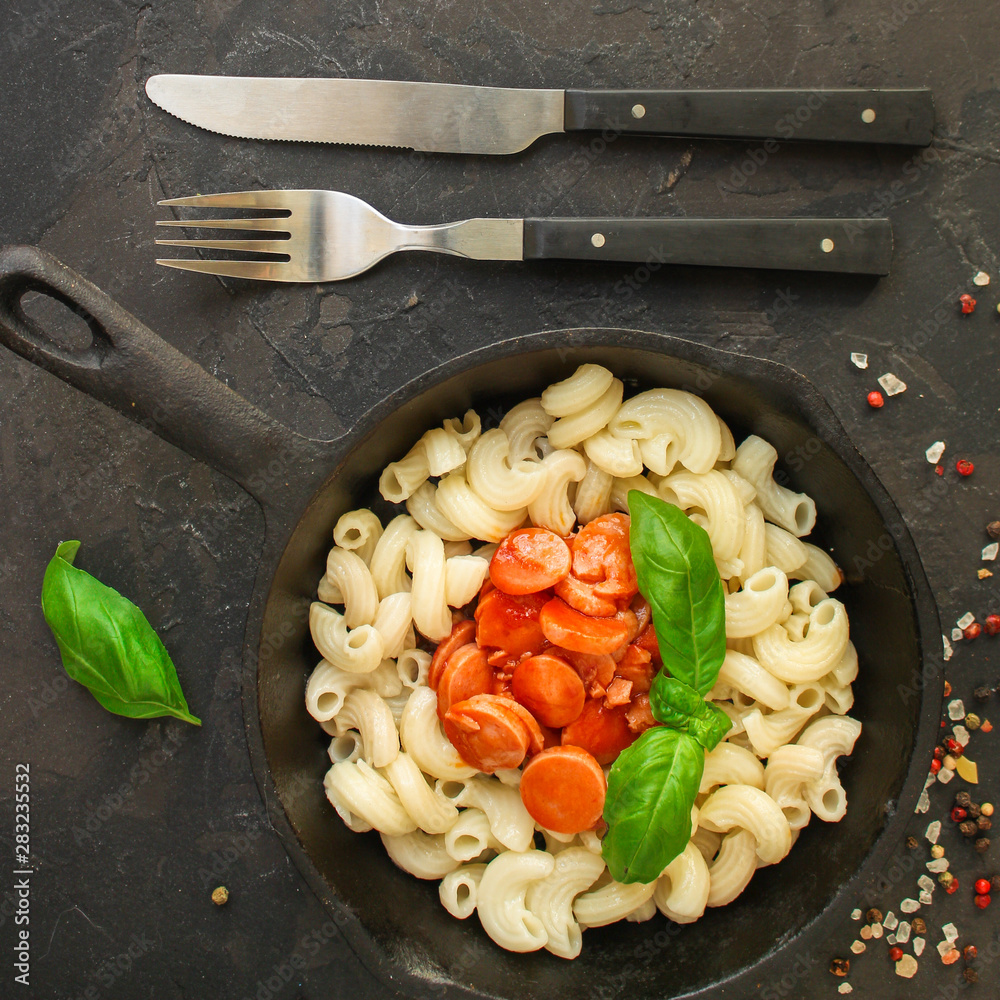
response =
{"points": [[992, 624], [951, 887], [968, 828], [895, 953], [993, 529], [912, 843], [938, 752], [937, 851], [969, 952], [984, 823], [983, 844], [963, 800], [972, 722], [840, 967], [967, 302], [973, 631], [982, 693], [875, 400], [971, 976], [987, 726], [958, 814], [935, 766], [982, 886], [946, 878], [982, 901], [949, 762], [220, 896], [964, 467], [874, 916], [973, 811], [986, 808], [954, 747], [995, 883], [918, 925], [938, 470]]}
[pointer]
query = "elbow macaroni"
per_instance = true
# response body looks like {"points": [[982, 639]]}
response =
{"points": [[558, 461]]}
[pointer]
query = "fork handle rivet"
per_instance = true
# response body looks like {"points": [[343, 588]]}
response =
{"points": [[638, 110], [597, 239]]}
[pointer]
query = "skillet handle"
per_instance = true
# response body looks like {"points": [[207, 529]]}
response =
{"points": [[129, 368]]}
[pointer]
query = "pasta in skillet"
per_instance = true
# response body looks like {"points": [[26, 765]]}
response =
{"points": [[392, 593]]}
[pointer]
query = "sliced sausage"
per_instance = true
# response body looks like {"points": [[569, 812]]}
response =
{"points": [[601, 731], [465, 674], [529, 560], [564, 626], [563, 789], [487, 732], [549, 688], [462, 632]]}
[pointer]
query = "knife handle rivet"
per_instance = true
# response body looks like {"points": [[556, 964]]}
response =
{"points": [[638, 110], [827, 245], [868, 116], [597, 239]]}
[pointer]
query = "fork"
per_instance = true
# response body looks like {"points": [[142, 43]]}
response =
{"points": [[329, 236]]}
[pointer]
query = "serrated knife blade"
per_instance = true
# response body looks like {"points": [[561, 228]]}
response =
{"points": [[455, 118], [430, 117]]}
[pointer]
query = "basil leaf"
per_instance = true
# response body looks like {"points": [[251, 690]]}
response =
{"points": [[107, 645], [651, 789], [675, 704], [678, 576]]}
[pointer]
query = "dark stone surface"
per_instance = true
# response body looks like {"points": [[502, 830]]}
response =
{"points": [[85, 157]]}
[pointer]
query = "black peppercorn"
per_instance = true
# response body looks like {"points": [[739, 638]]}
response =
{"points": [[968, 828], [969, 952], [973, 810], [971, 976], [840, 966], [918, 925], [995, 883], [984, 823], [993, 529], [912, 843], [982, 693], [983, 844], [963, 800]]}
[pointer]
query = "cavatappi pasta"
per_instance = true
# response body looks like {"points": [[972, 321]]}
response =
{"points": [[557, 462]]}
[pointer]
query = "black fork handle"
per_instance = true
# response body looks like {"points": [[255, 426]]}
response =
{"points": [[130, 368]]}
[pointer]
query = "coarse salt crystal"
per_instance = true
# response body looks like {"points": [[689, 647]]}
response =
{"points": [[944, 947], [903, 932], [950, 931], [866, 933], [948, 651], [926, 883], [956, 710], [918, 946], [990, 552], [855, 914], [938, 865], [890, 939], [858, 947], [891, 921], [906, 967], [961, 735], [933, 831], [944, 775], [923, 803], [893, 386], [909, 905], [926, 898], [859, 360], [845, 988], [877, 931], [966, 620], [980, 278], [934, 452]]}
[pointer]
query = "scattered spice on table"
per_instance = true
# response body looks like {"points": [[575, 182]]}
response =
{"points": [[875, 400], [964, 467], [967, 303], [220, 896]]}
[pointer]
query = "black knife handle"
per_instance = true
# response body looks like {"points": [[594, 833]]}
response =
{"points": [[860, 246], [902, 117]]}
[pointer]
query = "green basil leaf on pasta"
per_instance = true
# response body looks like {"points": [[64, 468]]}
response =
{"points": [[675, 704], [651, 789], [678, 576], [107, 645]]}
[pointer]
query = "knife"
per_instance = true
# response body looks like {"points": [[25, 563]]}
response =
{"points": [[453, 118]]}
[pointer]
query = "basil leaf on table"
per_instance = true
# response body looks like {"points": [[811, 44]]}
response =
{"points": [[678, 576], [651, 789], [675, 704], [107, 645]]}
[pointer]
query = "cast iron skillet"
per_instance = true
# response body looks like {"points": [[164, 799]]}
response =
{"points": [[395, 922]]}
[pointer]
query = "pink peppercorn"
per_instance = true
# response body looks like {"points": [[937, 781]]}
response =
{"points": [[952, 886], [973, 631], [968, 303], [992, 624], [964, 467], [982, 901], [875, 400], [935, 766], [895, 953]]}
